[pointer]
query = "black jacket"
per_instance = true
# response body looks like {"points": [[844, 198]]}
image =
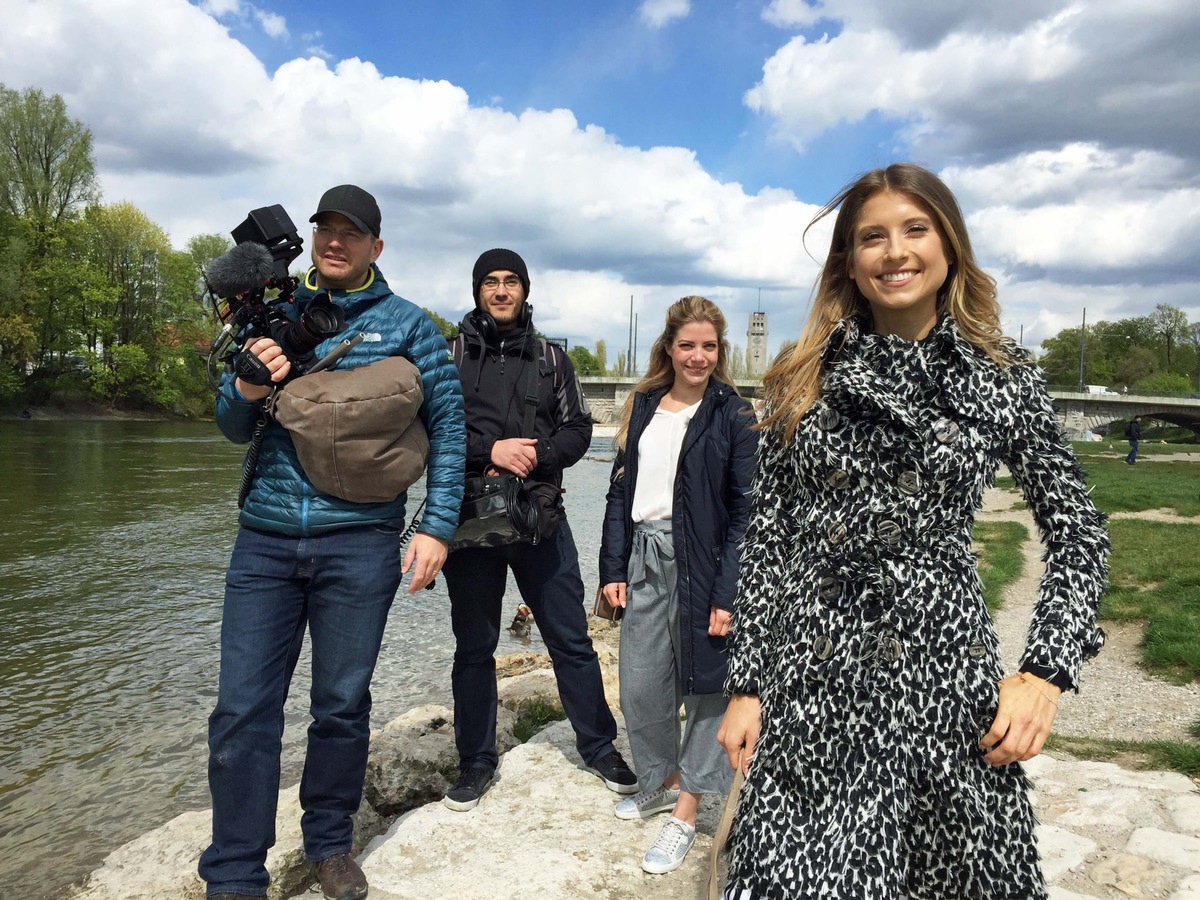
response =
{"points": [[710, 509], [494, 380]]}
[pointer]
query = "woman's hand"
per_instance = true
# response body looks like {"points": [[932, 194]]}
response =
{"points": [[1024, 716], [614, 593], [718, 621], [739, 729]]}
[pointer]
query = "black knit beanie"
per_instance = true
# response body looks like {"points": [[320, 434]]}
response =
{"points": [[498, 260]]}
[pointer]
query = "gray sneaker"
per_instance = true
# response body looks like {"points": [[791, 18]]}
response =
{"points": [[647, 803], [667, 852]]}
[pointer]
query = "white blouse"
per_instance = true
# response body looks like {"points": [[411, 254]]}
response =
{"points": [[658, 458]]}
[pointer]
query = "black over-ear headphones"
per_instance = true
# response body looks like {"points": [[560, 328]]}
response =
{"points": [[490, 331]]}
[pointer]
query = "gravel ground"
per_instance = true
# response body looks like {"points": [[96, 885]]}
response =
{"points": [[1117, 698]]}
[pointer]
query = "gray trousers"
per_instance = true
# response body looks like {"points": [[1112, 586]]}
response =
{"points": [[651, 681]]}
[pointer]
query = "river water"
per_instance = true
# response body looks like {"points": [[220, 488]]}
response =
{"points": [[114, 538]]}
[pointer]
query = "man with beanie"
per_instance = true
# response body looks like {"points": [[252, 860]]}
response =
{"points": [[308, 560], [494, 352]]}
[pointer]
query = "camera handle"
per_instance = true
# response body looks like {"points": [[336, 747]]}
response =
{"points": [[336, 353]]}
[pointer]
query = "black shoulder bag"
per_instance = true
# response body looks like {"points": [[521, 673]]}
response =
{"points": [[503, 509]]}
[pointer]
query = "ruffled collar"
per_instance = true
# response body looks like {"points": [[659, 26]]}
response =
{"points": [[906, 380]]}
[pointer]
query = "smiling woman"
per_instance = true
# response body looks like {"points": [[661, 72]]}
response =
{"points": [[866, 680]]}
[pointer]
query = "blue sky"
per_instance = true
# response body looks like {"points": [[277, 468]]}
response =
{"points": [[654, 148]]}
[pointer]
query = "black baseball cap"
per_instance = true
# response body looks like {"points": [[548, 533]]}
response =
{"points": [[354, 203]]}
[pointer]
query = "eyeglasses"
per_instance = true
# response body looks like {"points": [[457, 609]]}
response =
{"points": [[511, 283], [344, 235]]}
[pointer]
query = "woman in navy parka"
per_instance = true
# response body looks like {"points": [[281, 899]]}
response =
{"points": [[677, 508]]}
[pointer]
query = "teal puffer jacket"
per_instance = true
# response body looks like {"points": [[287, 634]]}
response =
{"points": [[282, 500]]}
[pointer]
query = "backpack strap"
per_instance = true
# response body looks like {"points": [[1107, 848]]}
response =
{"points": [[531, 392]]}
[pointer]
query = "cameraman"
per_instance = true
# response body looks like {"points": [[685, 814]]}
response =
{"points": [[305, 558]]}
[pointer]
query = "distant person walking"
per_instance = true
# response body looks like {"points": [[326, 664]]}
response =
{"points": [[1133, 432]]}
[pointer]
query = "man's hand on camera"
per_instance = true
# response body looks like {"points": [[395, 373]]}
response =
{"points": [[516, 455], [425, 556], [270, 354]]}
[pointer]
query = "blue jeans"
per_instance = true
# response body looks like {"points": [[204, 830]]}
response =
{"points": [[340, 585], [1131, 457], [549, 581]]}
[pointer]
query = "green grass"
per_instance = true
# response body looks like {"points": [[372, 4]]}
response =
{"points": [[1000, 559], [1172, 755], [535, 714], [1154, 578], [1116, 487]]}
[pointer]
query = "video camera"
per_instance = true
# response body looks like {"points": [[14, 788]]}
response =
{"points": [[264, 246]]}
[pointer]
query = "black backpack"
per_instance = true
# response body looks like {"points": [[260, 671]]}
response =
{"points": [[1128, 429]]}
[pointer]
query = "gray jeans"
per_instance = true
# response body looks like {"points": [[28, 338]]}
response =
{"points": [[651, 691]]}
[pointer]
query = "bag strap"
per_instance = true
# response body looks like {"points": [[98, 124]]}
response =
{"points": [[722, 833], [458, 350]]}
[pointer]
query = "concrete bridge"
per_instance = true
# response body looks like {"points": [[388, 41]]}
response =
{"points": [[1081, 415], [1084, 414]]}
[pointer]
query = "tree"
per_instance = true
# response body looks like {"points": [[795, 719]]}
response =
{"points": [[737, 363], [1136, 366], [201, 250], [131, 251], [1170, 324], [585, 363], [1166, 384], [601, 354], [46, 166], [622, 367], [448, 329]]}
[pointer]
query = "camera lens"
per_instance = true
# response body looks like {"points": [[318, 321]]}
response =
{"points": [[322, 318]]}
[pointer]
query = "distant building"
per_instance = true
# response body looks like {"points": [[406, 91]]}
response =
{"points": [[756, 345]]}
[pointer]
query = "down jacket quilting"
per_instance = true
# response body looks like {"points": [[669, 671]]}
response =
{"points": [[282, 500]]}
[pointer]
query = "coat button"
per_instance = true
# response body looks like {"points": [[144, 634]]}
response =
{"points": [[945, 431], [892, 650], [889, 532], [829, 588], [828, 419], [976, 651], [838, 479], [822, 647], [909, 483], [837, 533]]}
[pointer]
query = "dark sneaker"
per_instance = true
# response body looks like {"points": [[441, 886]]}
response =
{"points": [[615, 774], [471, 785], [341, 878]]}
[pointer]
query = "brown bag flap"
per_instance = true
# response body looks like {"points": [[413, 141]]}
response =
{"points": [[356, 431]]}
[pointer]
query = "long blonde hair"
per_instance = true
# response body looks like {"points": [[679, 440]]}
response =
{"points": [[661, 372], [793, 382]]}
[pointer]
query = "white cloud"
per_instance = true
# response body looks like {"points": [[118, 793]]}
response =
{"points": [[988, 83], [191, 128], [197, 136], [272, 23], [657, 13], [1067, 130]]}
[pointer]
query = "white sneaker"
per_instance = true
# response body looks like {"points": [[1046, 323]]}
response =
{"points": [[666, 854], [645, 804]]}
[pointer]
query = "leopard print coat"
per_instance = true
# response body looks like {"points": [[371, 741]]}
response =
{"points": [[861, 626]]}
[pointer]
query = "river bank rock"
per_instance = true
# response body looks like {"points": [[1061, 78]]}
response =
{"points": [[546, 827]]}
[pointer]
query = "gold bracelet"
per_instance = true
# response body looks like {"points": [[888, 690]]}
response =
{"points": [[1021, 675]]}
